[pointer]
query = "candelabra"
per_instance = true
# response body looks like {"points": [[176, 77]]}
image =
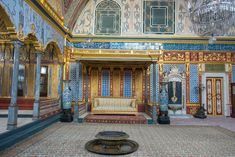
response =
{"points": [[211, 17]]}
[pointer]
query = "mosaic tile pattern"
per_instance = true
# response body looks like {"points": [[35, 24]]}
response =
{"points": [[118, 45], [105, 83], [233, 74], [153, 46], [73, 81], [210, 47], [127, 84], [151, 83], [68, 139], [193, 83]]}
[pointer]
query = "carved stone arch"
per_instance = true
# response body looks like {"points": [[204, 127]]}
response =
{"points": [[52, 47], [102, 2], [7, 29], [176, 79], [5, 22]]}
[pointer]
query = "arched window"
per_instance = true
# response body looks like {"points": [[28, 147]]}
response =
{"points": [[108, 18]]}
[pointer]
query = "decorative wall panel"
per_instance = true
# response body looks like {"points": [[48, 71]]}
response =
{"points": [[85, 21], [151, 83], [118, 45], [73, 81], [105, 85], [194, 83], [57, 5], [127, 84], [233, 74], [159, 17], [132, 17], [108, 18], [153, 46]]}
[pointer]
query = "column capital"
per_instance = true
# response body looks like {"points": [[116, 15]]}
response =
{"points": [[17, 43], [39, 52]]}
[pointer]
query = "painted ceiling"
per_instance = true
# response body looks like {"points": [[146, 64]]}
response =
{"points": [[69, 9]]}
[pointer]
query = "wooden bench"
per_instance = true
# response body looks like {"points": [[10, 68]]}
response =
{"points": [[114, 105]]}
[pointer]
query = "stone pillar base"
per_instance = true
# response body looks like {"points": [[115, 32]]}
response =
{"points": [[36, 114], [12, 117]]}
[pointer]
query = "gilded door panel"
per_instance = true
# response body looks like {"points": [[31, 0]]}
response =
{"points": [[209, 97], [218, 96], [214, 96]]}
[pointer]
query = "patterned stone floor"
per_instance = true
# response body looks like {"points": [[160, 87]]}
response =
{"points": [[225, 122], [21, 122], [68, 140]]}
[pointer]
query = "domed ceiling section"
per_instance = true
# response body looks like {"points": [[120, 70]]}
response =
{"points": [[69, 9], [72, 10]]}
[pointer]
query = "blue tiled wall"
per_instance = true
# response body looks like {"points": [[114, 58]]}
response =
{"points": [[127, 84], [151, 83], [105, 83], [153, 46], [233, 74], [193, 83], [73, 81]]}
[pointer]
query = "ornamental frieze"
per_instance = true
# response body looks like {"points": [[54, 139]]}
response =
{"points": [[194, 56], [215, 57], [233, 57], [174, 56]]}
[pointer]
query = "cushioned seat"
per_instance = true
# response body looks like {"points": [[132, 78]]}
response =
{"points": [[113, 105]]}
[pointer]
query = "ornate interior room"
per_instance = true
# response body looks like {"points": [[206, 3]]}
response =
{"points": [[92, 62]]}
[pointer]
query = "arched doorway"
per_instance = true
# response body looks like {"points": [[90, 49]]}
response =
{"points": [[51, 71], [6, 53]]}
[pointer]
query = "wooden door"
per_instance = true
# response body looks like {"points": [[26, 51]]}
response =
{"points": [[214, 96]]}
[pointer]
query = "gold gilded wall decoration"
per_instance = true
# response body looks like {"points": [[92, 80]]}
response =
{"points": [[233, 57], [194, 56], [215, 56], [174, 56], [228, 56]]}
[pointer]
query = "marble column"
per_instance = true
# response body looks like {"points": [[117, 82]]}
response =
{"points": [[154, 113], [36, 105], [60, 91], [76, 106], [87, 90], [146, 89], [13, 108]]}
